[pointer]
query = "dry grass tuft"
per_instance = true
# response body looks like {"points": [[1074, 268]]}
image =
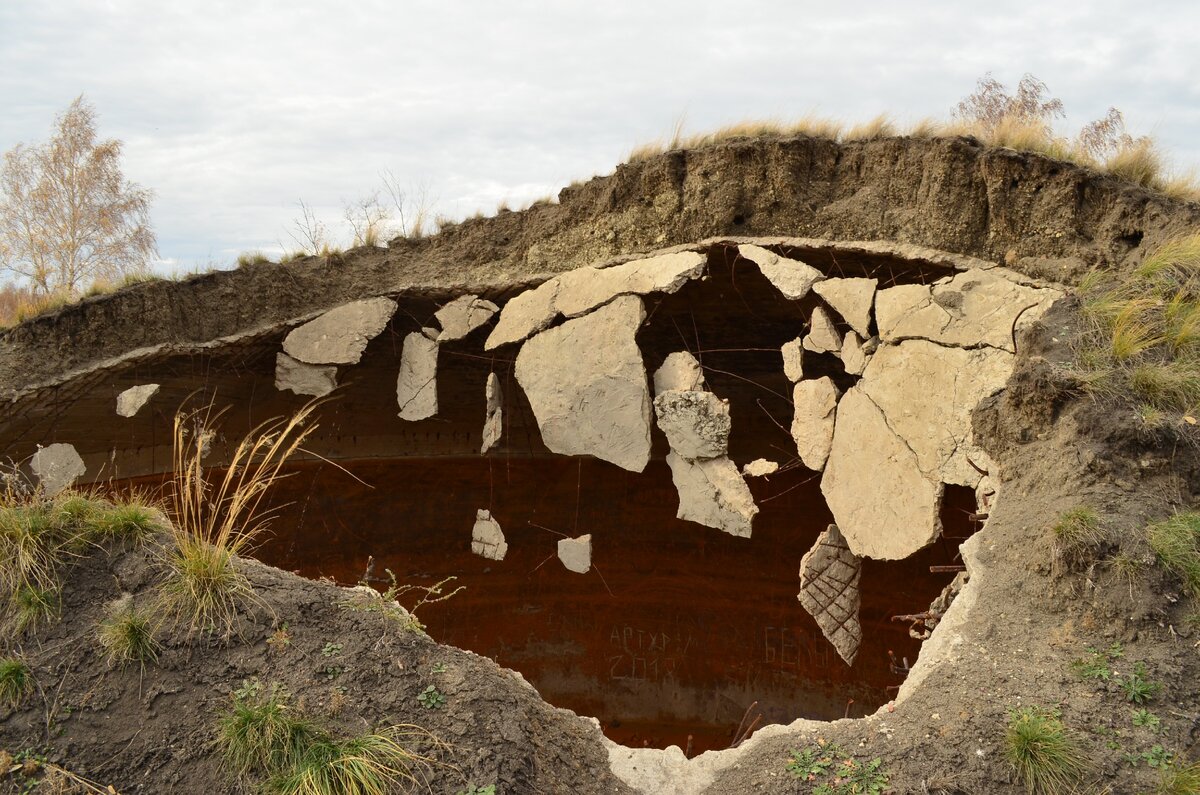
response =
{"points": [[1078, 536], [879, 127]]}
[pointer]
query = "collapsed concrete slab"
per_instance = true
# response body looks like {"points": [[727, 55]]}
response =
{"points": [[696, 424], [493, 423], [416, 388], [576, 553], [854, 358], [882, 503], [822, 336], [713, 493], [815, 405], [760, 467], [304, 379], [791, 277], [850, 298], [130, 401], [56, 467], [679, 372], [793, 359], [340, 335], [462, 316], [586, 384], [487, 539], [829, 577]]}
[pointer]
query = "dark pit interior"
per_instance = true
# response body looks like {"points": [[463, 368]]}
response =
{"points": [[677, 630]]}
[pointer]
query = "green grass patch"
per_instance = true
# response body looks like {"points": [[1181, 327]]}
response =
{"points": [[128, 636], [15, 681], [1176, 543], [1078, 535], [1047, 757]]}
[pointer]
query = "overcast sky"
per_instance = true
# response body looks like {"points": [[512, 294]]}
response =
{"points": [[232, 112]]}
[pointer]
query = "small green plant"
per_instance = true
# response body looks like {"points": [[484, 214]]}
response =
{"points": [[1097, 665], [1145, 719], [280, 639], [472, 789], [388, 603], [1180, 779], [1137, 688], [128, 636], [1077, 536], [811, 763], [331, 672], [15, 681], [438, 668], [1176, 543], [431, 698], [1158, 757], [834, 772], [331, 650], [1046, 756]]}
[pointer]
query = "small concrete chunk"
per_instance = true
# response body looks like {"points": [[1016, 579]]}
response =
{"points": [[854, 358], [696, 423], [793, 359], [679, 372], [576, 554], [791, 277], [813, 422], [524, 315], [760, 467], [587, 385], [713, 493], [304, 379], [829, 577], [416, 388], [850, 298], [130, 401], [340, 335], [493, 424], [487, 539], [462, 316], [57, 467], [823, 336]]}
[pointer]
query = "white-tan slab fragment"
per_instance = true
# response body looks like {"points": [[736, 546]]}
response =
{"points": [[583, 289], [679, 372], [850, 298], [713, 493], [587, 385], [696, 423], [576, 553], [487, 539], [493, 423], [524, 315], [927, 392], [793, 359], [462, 316], [760, 467], [815, 405], [340, 335], [304, 379], [791, 277], [822, 336], [56, 467], [854, 358], [130, 401], [829, 577], [883, 505], [416, 388]]}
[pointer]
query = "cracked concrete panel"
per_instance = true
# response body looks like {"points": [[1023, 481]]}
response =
{"points": [[713, 493], [57, 467], [130, 401], [854, 358], [582, 290], [340, 335], [524, 315], [487, 539], [822, 336], [304, 379], [462, 316], [586, 384], [791, 277], [927, 392], [760, 467], [416, 388], [793, 359], [850, 298], [829, 576], [696, 423], [493, 424], [679, 372], [882, 504], [813, 422], [969, 309], [576, 553]]}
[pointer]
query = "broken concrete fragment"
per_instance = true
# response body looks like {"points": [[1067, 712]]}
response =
{"points": [[852, 299], [576, 553], [812, 424], [759, 467], [679, 372], [583, 289], [304, 379], [487, 539], [696, 423], [525, 314], [493, 424], [793, 359], [829, 575], [822, 336], [882, 504], [340, 335], [416, 388], [854, 359], [791, 277], [462, 316], [130, 401], [713, 493], [56, 467], [587, 385]]}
